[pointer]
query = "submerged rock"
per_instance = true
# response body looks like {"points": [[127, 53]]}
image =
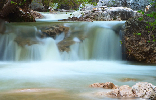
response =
{"points": [[21, 41], [128, 79]]}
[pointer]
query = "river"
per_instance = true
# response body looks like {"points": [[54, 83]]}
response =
{"points": [[41, 72]]}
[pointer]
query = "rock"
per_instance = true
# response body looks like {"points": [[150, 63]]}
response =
{"points": [[37, 6], [139, 90], [97, 85], [104, 13], [22, 41], [128, 79], [52, 31], [144, 90], [133, 4], [140, 47], [107, 85], [126, 91], [114, 93], [123, 91], [77, 19], [65, 45], [36, 14]]}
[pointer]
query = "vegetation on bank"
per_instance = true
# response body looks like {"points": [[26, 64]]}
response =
{"points": [[140, 36]]}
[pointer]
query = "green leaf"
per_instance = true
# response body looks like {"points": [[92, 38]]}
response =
{"points": [[154, 40], [153, 28], [12, 2], [143, 13], [121, 42], [139, 11], [148, 41], [146, 27], [140, 19], [139, 34], [148, 15]]}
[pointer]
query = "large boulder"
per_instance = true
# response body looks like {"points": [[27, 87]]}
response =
{"points": [[144, 90]]}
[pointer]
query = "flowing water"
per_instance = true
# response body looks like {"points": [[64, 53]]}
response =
{"points": [[33, 68]]}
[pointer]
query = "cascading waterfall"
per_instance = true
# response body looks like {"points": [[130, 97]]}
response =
{"points": [[101, 43]]}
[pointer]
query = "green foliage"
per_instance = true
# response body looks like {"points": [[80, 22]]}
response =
{"points": [[19, 3], [137, 34], [151, 26], [140, 19], [121, 42]]}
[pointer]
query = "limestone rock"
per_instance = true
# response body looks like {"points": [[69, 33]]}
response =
{"points": [[107, 85], [36, 14], [144, 90], [133, 4], [122, 91], [104, 13], [114, 93], [21, 41], [126, 91], [52, 31], [97, 85], [128, 79], [139, 90]]}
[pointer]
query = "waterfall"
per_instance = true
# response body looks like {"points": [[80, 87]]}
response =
{"points": [[101, 41]]}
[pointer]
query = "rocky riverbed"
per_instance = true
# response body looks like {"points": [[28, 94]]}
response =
{"points": [[139, 90]]}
